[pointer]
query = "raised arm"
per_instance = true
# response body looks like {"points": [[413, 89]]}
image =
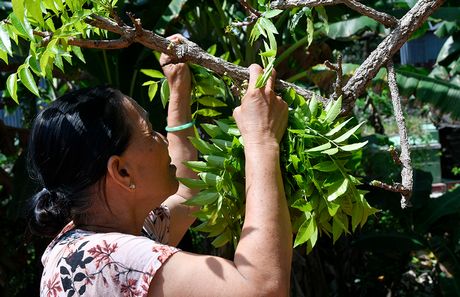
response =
{"points": [[180, 148], [261, 266]]}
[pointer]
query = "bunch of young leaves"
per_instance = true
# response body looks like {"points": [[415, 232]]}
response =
{"points": [[221, 172], [318, 152], [265, 28], [46, 26]]}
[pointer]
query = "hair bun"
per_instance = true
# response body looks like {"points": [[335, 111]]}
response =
{"points": [[49, 212]]}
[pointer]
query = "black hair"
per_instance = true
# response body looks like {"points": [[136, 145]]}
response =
{"points": [[70, 144]]}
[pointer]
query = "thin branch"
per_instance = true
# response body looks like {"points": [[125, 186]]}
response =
{"points": [[413, 19], [381, 17], [190, 52], [394, 155], [396, 187], [407, 171], [107, 44], [339, 77], [254, 14], [249, 8], [244, 23]]}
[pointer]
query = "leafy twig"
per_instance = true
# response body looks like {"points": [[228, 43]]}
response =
{"points": [[407, 171], [396, 187]]}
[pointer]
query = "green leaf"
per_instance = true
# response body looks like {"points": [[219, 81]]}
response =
{"points": [[18, 8], [4, 56], [197, 166], [334, 110], [354, 146], [5, 42], [203, 198], [305, 232], [268, 53], [23, 27], [77, 51], [211, 101], [152, 73], [172, 12], [222, 144], [202, 146], [33, 7], [149, 82], [28, 80], [302, 205], [268, 25], [337, 189], [338, 128], [332, 208], [313, 105], [208, 112], [222, 239], [337, 228], [262, 79], [193, 183], [319, 148], [210, 179], [356, 215], [164, 92], [215, 161], [310, 30], [331, 151], [212, 49], [12, 86], [272, 13], [349, 133], [211, 130], [153, 88], [348, 28], [327, 166], [450, 47]]}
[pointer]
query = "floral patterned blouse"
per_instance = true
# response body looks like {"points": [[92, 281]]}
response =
{"points": [[84, 263]]}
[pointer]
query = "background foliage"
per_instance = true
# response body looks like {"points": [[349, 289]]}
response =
{"points": [[412, 252]]}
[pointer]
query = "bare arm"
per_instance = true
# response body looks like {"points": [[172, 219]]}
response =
{"points": [[261, 265], [180, 148]]}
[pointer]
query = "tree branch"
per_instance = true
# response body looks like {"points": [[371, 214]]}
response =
{"points": [[190, 52], [386, 49], [101, 43], [339, 77], [381, 17], [407, 172]]}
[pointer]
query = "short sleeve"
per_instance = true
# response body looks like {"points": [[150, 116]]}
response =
{"points": [[156, 225], [110, 264]]}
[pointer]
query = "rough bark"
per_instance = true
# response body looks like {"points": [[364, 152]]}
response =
{"points": [[381, 17], [386, 49], [407, 171], [187, 51]]}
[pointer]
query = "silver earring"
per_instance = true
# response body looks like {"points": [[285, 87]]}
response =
{"points": [[132, 186]]}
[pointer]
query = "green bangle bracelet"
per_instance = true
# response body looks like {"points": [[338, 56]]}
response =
{"points": [[180, 127]]}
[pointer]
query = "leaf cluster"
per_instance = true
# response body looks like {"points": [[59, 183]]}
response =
{"points": [[317, 152]]}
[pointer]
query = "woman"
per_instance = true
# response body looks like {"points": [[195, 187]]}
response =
{"points": [[103, 169]]}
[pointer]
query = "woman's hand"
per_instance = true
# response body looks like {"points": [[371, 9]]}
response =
{"points": [[177, 74], [262, 116], [180, 148]]}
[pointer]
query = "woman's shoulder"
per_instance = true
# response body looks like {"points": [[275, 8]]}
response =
{"points": [[95, 263]]}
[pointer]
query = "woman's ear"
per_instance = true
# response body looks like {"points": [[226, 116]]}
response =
{"points": [[118, 172]]}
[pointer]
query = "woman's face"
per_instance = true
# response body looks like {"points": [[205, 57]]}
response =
{"points": [[149, 162]]}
